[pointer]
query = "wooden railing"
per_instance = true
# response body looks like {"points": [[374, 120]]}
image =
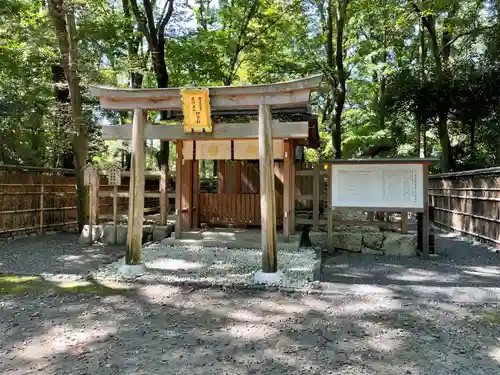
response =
{"points": [[233, 208], [468, 202]]}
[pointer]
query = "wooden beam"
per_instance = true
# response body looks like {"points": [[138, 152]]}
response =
{"points": [[178, 189], [164, 154], [222, 176], [310, 83], [216, 102], [267, 192], [316, 197], [136, 192], [287, 191], [250, 130]]}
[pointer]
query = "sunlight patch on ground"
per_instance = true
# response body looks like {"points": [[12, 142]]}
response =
{"points": [[244, 316], [414, 274], [251, 331], [483, 271], [56, 340], [154, 292], [495, 354]]}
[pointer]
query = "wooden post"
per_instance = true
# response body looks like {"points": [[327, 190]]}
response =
{"points": [[164, 154], [95, 200], [329, 209], [425, 214], [238, 176], [115, 214], [316, 197], [222, 176], [287, 191], [196, 194], [42, 206], [187, 195], [91, 212], [267, 193], [292, 187], [178, 189], [136, 192], [404, 222]]}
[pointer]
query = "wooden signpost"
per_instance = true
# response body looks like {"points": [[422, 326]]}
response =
{"points": [[382, 185], [91, 179], [114, 179]]}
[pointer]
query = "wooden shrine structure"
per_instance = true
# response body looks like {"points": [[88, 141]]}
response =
{"points": [[253, 122]]}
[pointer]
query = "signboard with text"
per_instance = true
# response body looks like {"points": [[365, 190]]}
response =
{"points": [[196, 110], [378, 185]]}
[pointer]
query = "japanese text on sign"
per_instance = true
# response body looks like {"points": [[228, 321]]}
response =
{"points": [[196, 110]]}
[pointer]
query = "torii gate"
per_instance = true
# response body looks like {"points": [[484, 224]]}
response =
{"points": [[266, 98]]}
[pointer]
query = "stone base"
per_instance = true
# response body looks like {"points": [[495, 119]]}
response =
{"points": [[132, 270], [274, 278], [87, 232], [106, 233]]}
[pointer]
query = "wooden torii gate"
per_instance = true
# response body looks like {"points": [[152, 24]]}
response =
{"points": [[264, 99]]}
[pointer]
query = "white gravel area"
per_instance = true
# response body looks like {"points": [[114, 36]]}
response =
{"points": [[215, 265]]}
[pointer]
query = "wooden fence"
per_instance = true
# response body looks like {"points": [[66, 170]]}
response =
{"points": [[34, 200], [468, 202]]}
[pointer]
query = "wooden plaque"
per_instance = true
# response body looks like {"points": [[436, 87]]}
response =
{"points": [[196, 110]]}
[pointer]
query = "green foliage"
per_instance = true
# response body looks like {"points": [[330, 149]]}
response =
{"points": [[394, 94]]}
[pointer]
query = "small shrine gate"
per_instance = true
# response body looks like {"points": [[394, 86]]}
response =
{"points": [[222, 133]]}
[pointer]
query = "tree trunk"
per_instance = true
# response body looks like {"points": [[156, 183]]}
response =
{"points": [[340, 78], [63, 20], [419, 127], [430, 24], [133, 43]]}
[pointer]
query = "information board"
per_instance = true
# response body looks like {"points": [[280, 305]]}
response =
{"points": [[196, 110], [378, 185]]}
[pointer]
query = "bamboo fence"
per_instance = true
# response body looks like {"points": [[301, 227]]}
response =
{"points": [[34, 200], [468, 202]]}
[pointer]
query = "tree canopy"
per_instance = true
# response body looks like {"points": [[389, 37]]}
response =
{"points": [[419, 76]]}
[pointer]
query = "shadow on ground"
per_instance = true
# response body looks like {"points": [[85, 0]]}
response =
{"points": [[458, 264], [161, 329]]}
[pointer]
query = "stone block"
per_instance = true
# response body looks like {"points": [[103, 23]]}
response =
{"points": [[318, 238], [367, 250], [347, 241], [96, 233], [160, 232], [109, 237], [148, 228], [373, 240], [399, 244]]}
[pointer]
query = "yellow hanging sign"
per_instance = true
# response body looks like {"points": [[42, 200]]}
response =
{"points": [[196, 110]]}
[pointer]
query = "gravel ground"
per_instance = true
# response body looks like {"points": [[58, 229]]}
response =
{"points": [[167, 330], [216, 265], [377, 316], [57, 253]]}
